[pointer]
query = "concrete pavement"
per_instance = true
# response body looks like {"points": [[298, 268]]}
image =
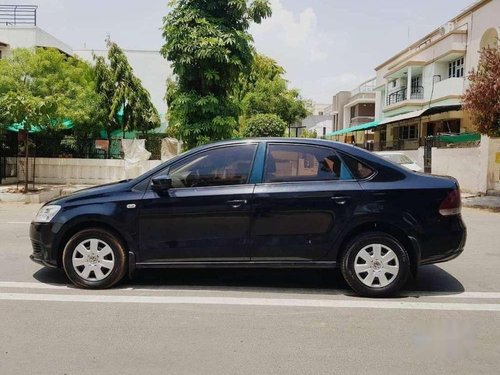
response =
{"points": [[249, 321]]}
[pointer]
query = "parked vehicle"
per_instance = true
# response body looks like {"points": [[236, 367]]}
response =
{"points": [[258, 203], [401, 159]]}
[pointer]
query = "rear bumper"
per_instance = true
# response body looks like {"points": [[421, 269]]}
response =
{"points": [[452, 241]]}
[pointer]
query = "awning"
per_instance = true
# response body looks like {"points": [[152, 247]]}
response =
{"points": [[357, 128], [66, 124], [420, 113], [404, 116], [459, 138]]}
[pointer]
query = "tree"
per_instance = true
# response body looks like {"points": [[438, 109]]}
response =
{"points": [[264, 125], [48, 74], [122, 95], [308, 134], [28, 110], [209, 46], [44, 87], [482, 98], [265, 90]]}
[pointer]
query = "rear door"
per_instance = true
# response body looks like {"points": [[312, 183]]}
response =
{"points": [[300, 206]]}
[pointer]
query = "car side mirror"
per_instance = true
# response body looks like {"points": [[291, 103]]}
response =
{"points": [[161, 184]]}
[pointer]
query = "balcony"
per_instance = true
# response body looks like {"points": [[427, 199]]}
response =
{"points": [[448, 89], [416, 93]]}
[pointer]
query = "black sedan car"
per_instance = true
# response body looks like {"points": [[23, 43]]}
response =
{"points": [[269, 203]]}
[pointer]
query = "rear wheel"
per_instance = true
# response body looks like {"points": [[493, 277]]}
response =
{"points": [[375, 265], [94, 259]]}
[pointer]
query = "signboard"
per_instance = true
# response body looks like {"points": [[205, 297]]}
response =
{"points": [[497, 158]]}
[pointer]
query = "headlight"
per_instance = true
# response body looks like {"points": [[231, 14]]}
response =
{"points": [[47, 213]]}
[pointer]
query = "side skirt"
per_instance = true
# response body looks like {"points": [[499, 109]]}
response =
{"points": [[248, 264]]}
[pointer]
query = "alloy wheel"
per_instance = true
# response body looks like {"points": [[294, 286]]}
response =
{"points": [[376, 265], [93, 259]]}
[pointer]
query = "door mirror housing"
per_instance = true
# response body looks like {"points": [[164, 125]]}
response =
{"points": [[161, 184]]}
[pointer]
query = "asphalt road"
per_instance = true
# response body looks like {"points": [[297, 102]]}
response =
{"points": [[249, 321]]}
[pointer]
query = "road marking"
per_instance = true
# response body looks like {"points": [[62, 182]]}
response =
{"points": [[462, 295], [17, 222], [278, 302]]}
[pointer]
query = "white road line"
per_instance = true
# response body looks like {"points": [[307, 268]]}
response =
{"points": [[462, 295], [174, 300], [17, 222]]}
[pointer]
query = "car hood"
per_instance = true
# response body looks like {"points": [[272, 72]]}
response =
{"points": [[92, 192]]}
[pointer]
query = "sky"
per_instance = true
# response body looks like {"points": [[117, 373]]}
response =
{"points": [[324, 45]]}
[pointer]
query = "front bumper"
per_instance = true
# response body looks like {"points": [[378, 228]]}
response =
{"points": [[42, 240]]}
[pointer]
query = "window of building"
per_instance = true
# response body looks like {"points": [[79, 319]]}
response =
{"points": [[290, 163], [408, 132], [222, 166], [394, 83], [456, 68], [415, 81], [353, 112], [320, 113]]}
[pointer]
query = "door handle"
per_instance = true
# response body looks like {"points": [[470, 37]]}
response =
{"points": [[340, 199], [237, 203]]}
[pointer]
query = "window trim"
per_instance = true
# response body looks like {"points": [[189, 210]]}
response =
{"points": [[456, 65], [166, 170], [264, 166], [370, 177]]}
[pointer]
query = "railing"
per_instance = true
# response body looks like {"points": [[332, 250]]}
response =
{"points": [[417, 92], [18, 14], [396, 97]]}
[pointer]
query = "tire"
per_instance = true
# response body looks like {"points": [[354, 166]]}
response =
{"points": [[375, 264], [94, 259]]}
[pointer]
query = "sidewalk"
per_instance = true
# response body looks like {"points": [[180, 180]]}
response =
{"points": [[488, 202]]}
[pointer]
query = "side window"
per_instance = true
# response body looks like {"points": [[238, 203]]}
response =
{"points": [[358, 169], [288, 163], [223, 166]]}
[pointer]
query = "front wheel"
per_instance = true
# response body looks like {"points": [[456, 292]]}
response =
{"points": [[94, 259], [375, 265]]}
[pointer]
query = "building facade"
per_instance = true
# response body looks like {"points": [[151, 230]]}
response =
{"points": [[351, 109], [319, 121], [418, 91], [18, 29]]}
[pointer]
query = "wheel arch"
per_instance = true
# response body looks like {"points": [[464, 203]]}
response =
{"points": [[410, 243], [90, 224]]}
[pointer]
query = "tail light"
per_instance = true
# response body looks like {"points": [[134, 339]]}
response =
{"points": [[452, 204]]}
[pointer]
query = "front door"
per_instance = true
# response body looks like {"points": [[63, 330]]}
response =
{"points": [[205, 216], [306, 195]]}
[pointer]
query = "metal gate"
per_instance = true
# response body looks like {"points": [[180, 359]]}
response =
{"points": [[8, 156], [429, 141]]}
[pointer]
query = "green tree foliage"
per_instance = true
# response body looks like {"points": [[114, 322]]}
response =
{"points": [[29, 110], [308, 134], [42, 76], [482, 99], [265, 90], [121, 94], [209, 46], [264, 125]]}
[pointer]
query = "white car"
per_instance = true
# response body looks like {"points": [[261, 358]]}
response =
{"points": [[400, 158]]}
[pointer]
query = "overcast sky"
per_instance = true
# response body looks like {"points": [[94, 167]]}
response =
{"points": [[324, 45]]}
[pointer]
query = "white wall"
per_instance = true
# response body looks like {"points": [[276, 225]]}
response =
{"points": [[461, 163], [29, 37], [82, 171]]}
